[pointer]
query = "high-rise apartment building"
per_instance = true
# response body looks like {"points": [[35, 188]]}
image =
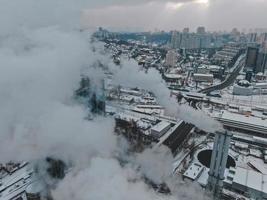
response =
{"points": [[186, 30], [201, 30], [190, 40], [171, 58], [251, 57], [175, 39], [261, 64]]}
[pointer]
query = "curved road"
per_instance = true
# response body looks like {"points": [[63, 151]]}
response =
{"points": [[240, 63]]}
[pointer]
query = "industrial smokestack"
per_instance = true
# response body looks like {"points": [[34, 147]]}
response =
{"points": [[218, 161]]}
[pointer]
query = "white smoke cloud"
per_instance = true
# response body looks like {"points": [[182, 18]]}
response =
{"points": [[42, 56], [39, 71], [156, 164], [104, 179]]}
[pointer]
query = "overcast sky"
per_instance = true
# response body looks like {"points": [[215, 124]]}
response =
{"points": [[176, 14]]}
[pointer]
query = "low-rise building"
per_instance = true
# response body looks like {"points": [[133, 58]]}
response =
{"points": [[194, 171], [14, 181], [203, 69], [203, 77], [243, 87], [249, 124], [244, 91], [159, 129], [247, 182]]}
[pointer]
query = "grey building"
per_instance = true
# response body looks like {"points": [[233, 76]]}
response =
{"points": [[261, 64], [251, 57]]}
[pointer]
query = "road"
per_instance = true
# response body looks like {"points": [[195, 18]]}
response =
{"points": [[229, 79]]}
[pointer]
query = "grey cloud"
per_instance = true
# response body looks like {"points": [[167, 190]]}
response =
{"points": [[216, 15], [131, 2]]}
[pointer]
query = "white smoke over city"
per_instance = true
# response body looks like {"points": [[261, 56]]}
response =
{"points": [[42, 55], [132, 75], [104, 179]]}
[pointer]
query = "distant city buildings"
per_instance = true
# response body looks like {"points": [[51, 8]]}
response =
{"points": [[186, 30], [201, 30], [261, 64], [171, 58], [252, 37], [256, 59], [186, 40], [228, 55], [198, 40], [251, 57]]}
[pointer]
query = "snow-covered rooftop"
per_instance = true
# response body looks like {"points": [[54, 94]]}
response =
{"points": [[251, 179], [194, 171], [159, 127], [249, 123]]}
